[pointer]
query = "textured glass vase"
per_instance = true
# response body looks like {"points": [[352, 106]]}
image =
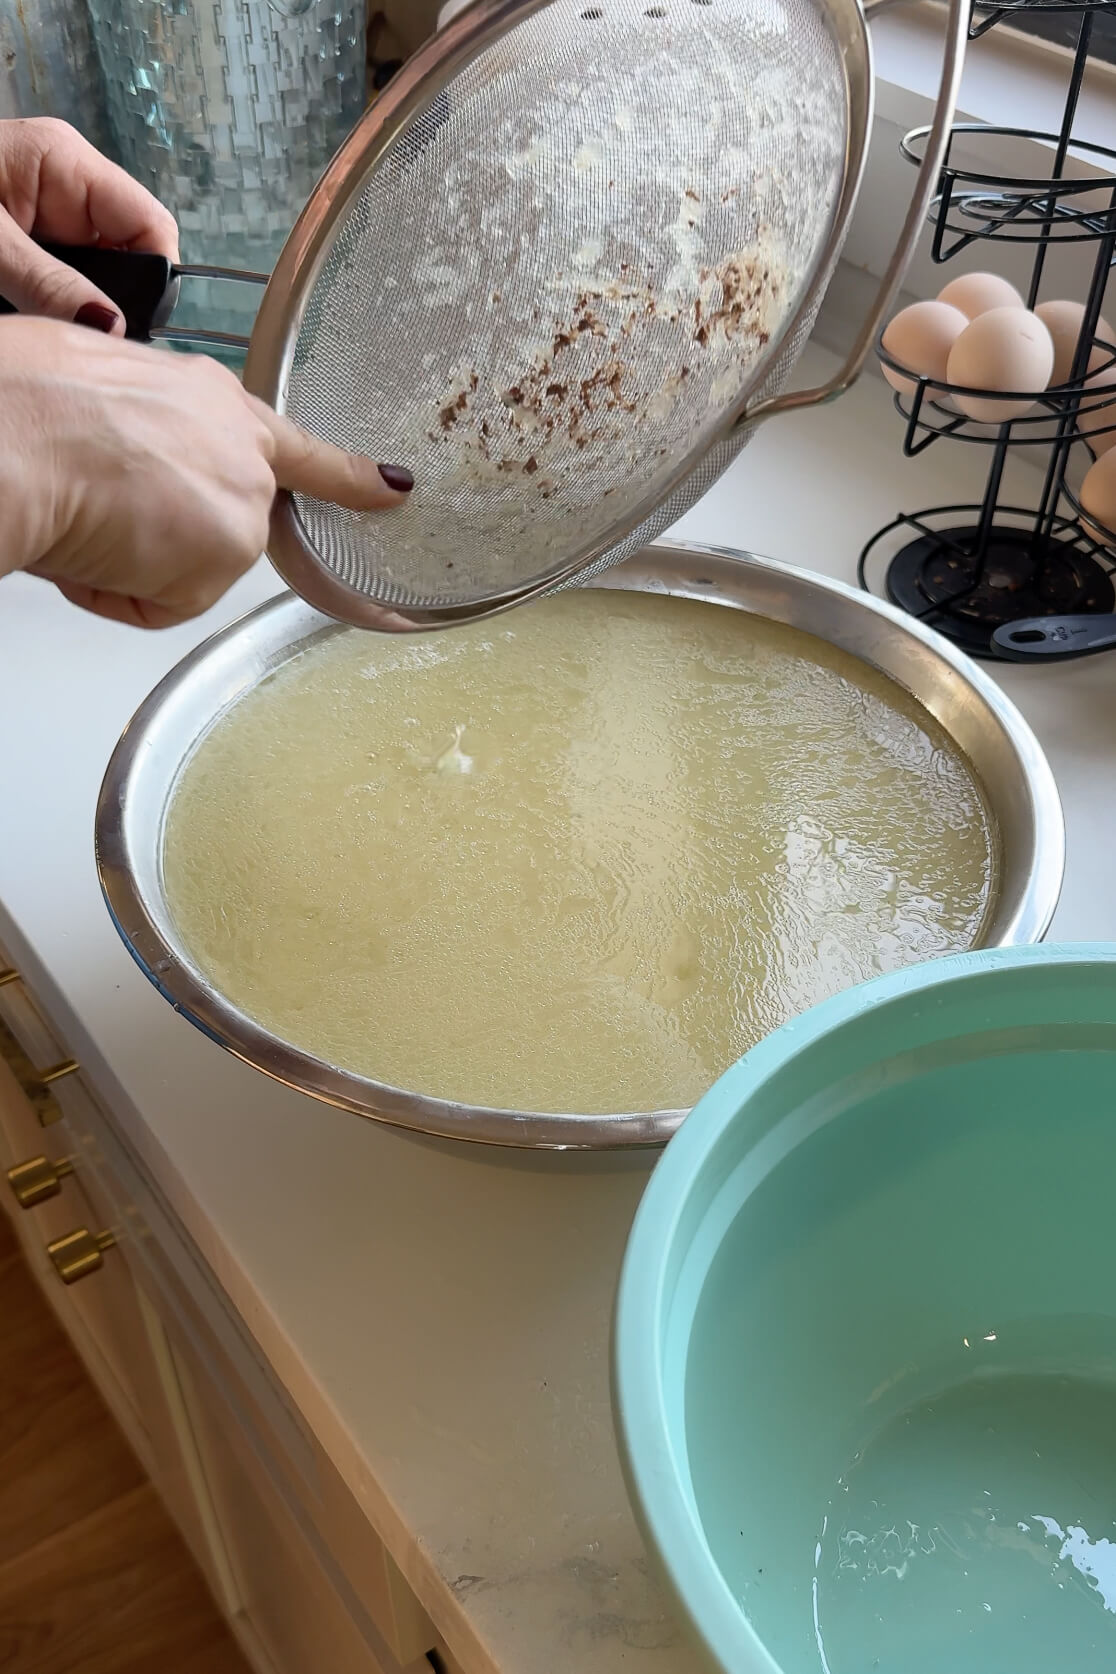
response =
{"points": [[48, 66], [229, 111]]}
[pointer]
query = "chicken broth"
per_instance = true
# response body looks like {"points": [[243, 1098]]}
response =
{"points": [[576, 859]]}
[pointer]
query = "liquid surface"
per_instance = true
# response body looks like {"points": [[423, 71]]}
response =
{"points": [[977, 1532], [579, 859], [901, 1376]]}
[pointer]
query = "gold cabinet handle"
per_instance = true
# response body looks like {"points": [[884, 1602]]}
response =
{"points": [[37, 1179], [79, 1253], [68, 1066], [8, 975], [48, 1110], [37, 1084]]}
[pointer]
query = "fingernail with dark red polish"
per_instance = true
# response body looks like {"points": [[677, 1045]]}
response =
{"points": [[97, 317], [398, 477]]}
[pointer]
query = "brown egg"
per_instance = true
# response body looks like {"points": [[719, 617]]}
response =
{"points": [[1063, 320], [920, 338], [1007, 351], [977, 293], [1093, 420], [1098, 498]]}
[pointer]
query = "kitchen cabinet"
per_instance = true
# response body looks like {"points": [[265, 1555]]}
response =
{"points": [[294, 1564], [93, 1293], [281, 1587], [103, 1317]]}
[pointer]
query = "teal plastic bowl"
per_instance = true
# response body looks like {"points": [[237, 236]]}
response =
{"points": [[865, 1339]]}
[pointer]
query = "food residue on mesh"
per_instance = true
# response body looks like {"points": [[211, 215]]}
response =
{"points": [[587, 381], [747, 285]]}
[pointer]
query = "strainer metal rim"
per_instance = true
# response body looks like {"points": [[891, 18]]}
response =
{"points": [[161, 737], [271, 351]]}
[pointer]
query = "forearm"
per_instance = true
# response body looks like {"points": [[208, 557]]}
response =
{"points": [[28, 493]]}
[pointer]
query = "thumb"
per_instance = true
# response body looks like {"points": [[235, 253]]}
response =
{"points": [[35, 283]]}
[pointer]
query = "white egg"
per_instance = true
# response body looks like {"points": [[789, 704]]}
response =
{"points": [[1098, 498], [920, 338], [977, 293], [1007, 350], [1097, 416], [1063, 320]]}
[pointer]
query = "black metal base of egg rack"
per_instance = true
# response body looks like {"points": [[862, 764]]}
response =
{"points": [[970, 570], [967, 584]]}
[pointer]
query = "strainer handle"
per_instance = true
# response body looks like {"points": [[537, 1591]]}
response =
{"points": [[953, 62], [145, 289]]}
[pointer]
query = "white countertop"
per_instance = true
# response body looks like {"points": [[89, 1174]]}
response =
{"points": [[440, 1315]]}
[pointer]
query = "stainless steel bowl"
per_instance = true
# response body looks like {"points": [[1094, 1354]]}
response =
{"points": [[145, 765]]}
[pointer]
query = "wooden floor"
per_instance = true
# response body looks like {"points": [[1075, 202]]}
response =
{"points": [[93, 1576]]}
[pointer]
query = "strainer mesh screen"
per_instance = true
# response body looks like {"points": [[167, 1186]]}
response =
{"points": [[560, 281]]}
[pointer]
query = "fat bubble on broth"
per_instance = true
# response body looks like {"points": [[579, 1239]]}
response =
{"points": [[578, 859]]}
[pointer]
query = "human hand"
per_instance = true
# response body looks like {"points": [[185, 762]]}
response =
{"points": [[55, 186], [141, 482]]}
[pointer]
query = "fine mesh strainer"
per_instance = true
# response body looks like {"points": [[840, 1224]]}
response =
{"points": [[561, 269], [573, 258]]}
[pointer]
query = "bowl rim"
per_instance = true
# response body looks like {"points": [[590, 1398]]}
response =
{"points": [[726, 576], [667, 1517]]}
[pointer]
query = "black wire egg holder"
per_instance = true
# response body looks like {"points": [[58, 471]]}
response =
{"points": [[971, 570], [1060, 406], [1004, 11]]}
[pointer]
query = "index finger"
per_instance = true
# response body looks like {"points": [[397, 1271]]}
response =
{"points": [[69, 193], [305, 464]]}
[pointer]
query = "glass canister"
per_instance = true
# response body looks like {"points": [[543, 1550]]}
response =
{"points": [[48, 66], [229, 111]]}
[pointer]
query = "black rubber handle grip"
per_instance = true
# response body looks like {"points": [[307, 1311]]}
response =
{"points": [[1054, 639], [143, 287]]}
